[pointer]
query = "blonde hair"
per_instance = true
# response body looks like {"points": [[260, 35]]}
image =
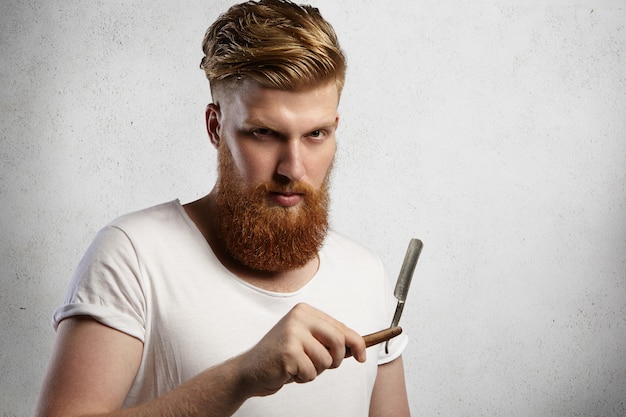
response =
{"points": [[276, 43]]}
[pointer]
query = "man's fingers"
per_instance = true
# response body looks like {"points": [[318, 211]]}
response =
{"points": [[378, 337], [302, 345]]}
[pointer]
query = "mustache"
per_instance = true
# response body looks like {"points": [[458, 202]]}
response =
{"points": [[296, 187]]}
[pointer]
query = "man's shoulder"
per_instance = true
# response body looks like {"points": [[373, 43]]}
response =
{"points": [[153, 224], [150, 216], [149, 231]]}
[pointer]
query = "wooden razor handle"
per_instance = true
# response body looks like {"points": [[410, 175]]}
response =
{"points": [[378, 337]]}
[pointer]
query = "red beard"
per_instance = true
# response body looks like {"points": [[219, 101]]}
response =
{"points": [[269, 238]]}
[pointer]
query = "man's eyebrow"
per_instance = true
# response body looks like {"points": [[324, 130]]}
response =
{"points": [[255, 121]]}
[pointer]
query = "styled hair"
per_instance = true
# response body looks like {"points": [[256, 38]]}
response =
{"points": [[276, 43]]}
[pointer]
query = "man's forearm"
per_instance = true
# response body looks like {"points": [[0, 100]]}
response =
{"points": [[218, 391]]}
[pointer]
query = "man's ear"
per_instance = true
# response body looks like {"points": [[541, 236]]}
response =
{"points": [[213, 116]]}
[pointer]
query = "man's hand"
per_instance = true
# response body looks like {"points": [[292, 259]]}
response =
{"points": [[302, 345]]}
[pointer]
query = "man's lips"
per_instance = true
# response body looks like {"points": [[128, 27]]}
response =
{"points": [[286, 199]]}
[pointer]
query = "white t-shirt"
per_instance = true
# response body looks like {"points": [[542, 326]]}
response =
{"points": [[152, 275]]}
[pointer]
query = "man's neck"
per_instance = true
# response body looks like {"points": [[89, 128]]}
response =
{"points": [[204, 214]]}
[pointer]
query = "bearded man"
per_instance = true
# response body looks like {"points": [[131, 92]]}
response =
{"points": [[237, 303]]}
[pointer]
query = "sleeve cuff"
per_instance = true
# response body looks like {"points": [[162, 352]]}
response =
{"points": [[107, 316]]}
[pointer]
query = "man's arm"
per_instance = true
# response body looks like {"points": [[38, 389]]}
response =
{"points": [[93, 367], [389, 398]]}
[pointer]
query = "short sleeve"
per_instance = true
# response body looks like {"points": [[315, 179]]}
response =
{"points": [[107, 285]]}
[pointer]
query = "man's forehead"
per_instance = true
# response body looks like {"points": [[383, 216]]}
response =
{"points": [[245, 87], [262, 106]]}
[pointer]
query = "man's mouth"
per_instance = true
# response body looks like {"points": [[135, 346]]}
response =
{"points": [[286, 198]]}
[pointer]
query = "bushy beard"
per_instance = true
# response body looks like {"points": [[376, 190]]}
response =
{"points": [[269, 238]]}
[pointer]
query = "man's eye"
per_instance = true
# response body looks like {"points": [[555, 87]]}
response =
{"points": [[263, 131], [316, 134]]}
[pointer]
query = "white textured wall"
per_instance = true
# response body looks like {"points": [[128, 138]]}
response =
{"points": [[493, 130]]}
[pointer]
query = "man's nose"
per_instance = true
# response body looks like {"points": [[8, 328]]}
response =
{"points": [[290, 163]]}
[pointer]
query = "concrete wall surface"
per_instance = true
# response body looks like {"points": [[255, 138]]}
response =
{"points": [[494, 130]]}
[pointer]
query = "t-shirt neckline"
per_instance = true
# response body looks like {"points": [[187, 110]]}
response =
{"points": [[274, 294]]}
